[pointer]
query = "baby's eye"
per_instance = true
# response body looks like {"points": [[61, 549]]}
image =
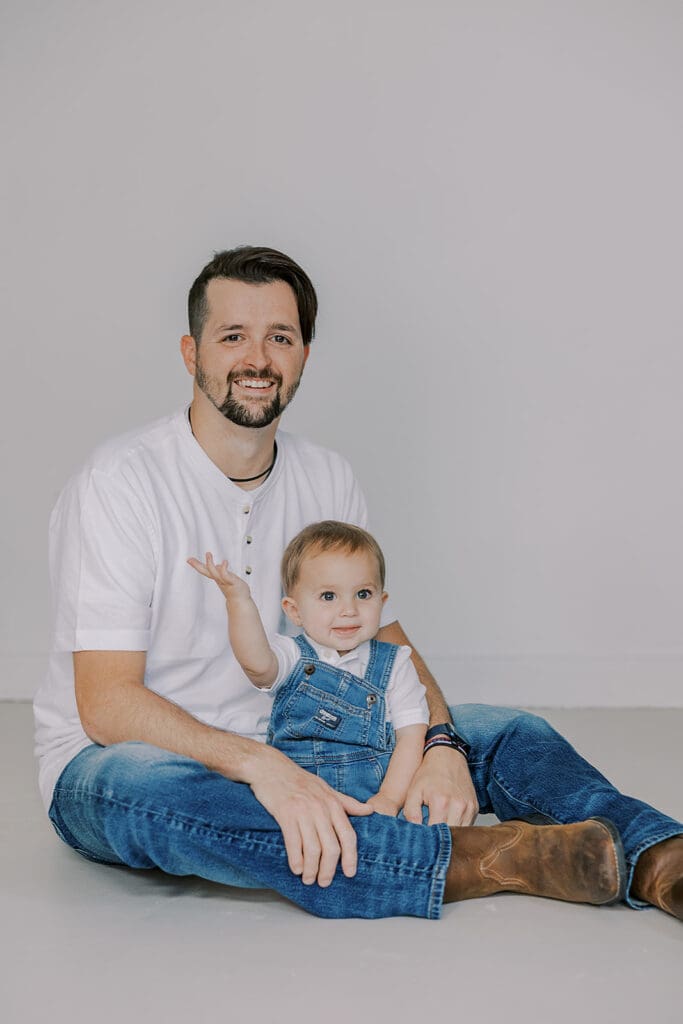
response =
{"points": [[327, 595], [364, 594]]}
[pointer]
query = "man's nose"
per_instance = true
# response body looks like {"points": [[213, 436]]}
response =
{"points": [[257, 356]]}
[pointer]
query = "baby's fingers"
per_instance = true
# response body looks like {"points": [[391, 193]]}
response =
{"points": [[217, 573], [220, 573], [200, 567]]}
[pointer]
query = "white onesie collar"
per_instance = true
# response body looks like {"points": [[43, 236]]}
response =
{"points": [[359, 656]]}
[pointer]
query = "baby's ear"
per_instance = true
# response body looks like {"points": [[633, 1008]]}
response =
{"points": [[385, 597], [290, 609]]}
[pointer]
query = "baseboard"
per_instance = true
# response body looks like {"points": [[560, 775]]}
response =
{"points": [[647, 680]]}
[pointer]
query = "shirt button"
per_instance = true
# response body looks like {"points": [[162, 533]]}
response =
{"points": [[246, 509], [249, 540], [248, 570]]}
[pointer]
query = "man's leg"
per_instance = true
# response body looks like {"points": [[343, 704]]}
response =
{"points": [[522, 768], [137, 805]]}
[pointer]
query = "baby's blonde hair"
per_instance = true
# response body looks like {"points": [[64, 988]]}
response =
{"points": [[328, 535]]}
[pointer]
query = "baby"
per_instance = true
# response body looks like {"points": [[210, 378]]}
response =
{"points": [[346, 706]]}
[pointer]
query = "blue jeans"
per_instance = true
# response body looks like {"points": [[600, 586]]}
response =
{"points": [[137, 805]]}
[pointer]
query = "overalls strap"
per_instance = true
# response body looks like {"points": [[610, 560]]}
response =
{"points": [[380, 663], [305, 648]]}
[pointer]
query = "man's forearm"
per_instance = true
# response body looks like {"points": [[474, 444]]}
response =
{"points": [[121, 709], [438, 708]]}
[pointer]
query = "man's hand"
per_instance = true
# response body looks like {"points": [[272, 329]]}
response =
{"points": [[313, 818], [443, 783]]}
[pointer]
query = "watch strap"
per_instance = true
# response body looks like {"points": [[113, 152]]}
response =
{"points": [[444, 735]]}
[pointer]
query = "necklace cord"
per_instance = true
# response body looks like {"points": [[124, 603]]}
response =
{"points": [[248, 479], [242, 479]]}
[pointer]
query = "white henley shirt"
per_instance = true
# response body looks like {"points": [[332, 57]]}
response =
{"points": [[119, 537]]}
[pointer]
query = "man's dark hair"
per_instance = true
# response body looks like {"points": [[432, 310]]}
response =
{"points": [[254, 264]]}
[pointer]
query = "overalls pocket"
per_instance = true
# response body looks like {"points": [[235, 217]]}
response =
{"points": [[311, 713]]}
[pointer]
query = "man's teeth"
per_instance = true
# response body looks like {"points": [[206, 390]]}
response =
{"points": [[252, 383]]}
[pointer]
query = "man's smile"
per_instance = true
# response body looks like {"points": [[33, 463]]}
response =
{"points": [[257, 383]]}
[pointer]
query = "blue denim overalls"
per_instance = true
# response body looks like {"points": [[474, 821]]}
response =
{"points": [[333, 723]]}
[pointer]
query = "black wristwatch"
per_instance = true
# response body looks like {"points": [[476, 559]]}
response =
{"points": [[445, 736]]}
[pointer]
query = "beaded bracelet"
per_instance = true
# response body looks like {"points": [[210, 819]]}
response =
{"points": [[444, 741]]}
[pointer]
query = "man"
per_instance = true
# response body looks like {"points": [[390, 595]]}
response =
{"points": [[149, 737]]}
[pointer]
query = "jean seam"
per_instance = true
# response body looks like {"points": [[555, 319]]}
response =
{"points": [[274, 844], [69, 839], [173, 818], [443, 859], [520, 800]]}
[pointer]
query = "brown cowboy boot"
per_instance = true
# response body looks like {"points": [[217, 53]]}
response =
{"points": [[658, 877], [582, 863]]}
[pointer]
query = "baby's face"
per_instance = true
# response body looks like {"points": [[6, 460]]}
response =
{"points": [[337, 599]]}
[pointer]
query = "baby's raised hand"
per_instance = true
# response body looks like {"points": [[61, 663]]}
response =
{"points": [[228, 582]]}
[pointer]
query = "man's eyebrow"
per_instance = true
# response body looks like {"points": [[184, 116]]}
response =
{"points": [[271, 327], [283, 327]]}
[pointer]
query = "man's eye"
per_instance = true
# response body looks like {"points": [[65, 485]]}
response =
{"points": [[232, 337], [365, 594], [327, 595], [281, 339]]}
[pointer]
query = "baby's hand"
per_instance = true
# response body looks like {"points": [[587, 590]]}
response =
{"points": [[228, 582], [381, 804]]}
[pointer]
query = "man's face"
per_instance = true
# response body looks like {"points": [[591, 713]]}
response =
{"points": [[250, 357]]}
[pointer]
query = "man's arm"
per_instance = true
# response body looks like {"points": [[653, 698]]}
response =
{"points": [[115, 707], [442, 782]]}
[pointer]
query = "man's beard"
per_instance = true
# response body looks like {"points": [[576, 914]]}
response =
{"points": [[241, 414]]}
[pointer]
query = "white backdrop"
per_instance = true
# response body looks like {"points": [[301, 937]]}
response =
{"points": [[488, 197]]}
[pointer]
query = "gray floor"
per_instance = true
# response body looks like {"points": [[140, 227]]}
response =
{"points": [[82, 942]]}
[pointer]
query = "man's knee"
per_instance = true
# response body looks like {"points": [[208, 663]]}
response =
{"points": [[123, 768], [485, 725]]}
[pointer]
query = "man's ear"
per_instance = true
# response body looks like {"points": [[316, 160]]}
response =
{"points": [[307, 352], [188, 350], [290, 609]]}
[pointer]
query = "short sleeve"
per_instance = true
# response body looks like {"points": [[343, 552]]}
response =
{"points": [[287, 653], [102, 554], [406, 701]]}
